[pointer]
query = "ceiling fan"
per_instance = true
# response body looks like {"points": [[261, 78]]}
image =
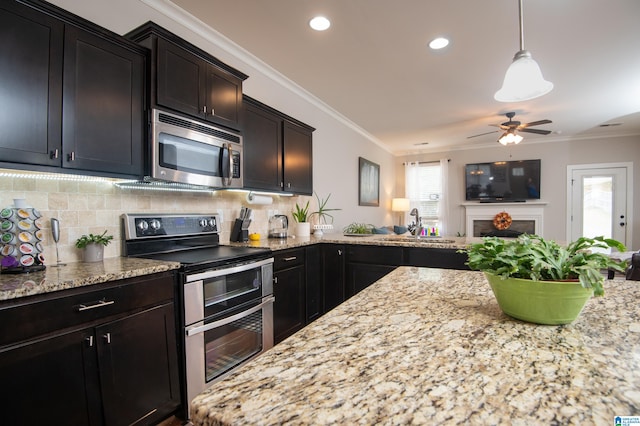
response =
{"points": [[513, 126]]}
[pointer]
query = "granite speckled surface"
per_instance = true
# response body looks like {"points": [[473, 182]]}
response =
{"points": [[72, 275], [371, 240], [431, 346]]}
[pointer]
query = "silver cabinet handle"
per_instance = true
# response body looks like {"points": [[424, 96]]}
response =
{"points": [[289, 259], [71, 156], [100, 304], [89, 341], [225, 321], [107, 338], [54, 154]]}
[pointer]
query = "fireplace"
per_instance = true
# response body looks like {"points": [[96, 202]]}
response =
{"points": [[526, 218]]}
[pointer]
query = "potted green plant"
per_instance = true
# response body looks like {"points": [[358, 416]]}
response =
{"points": [[540, 281], [93, 246], [301, 216], [355, 228], [322, 214]]}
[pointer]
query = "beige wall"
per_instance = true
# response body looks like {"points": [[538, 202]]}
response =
{"points": [[555, 156]]}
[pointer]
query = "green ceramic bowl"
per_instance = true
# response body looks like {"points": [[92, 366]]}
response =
{"points": [[539, 302]]}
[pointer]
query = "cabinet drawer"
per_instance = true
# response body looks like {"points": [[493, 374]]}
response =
{"points": [[375, 255], [288, 259], [57, 311]]}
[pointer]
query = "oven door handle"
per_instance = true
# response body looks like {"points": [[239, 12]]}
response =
{"points": [[201, 329], [227, 271]]}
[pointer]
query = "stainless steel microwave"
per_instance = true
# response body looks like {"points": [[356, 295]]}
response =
{"points": [[193, 152]]}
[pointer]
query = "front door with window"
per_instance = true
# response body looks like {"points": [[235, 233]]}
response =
{"points": [[598, 201]]}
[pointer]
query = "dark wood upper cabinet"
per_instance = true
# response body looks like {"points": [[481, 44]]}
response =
{"points": [[75, 93], [103, 104], [278, 150], [262, 154], [31, 52], [186, 79]]}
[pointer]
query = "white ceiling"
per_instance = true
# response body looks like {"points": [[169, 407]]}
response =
{"points": [[374, 67]]}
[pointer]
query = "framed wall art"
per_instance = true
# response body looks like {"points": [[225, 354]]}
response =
{"points": [[368, 183]]}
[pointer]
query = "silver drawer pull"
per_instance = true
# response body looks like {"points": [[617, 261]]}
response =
{"points": [[289, 259], [99, 304]]}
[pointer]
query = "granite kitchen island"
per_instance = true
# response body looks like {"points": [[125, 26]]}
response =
{"points": [[431, 346]]}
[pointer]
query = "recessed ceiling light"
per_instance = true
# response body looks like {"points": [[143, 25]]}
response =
{"points": [[438, 43], [319, 23]]}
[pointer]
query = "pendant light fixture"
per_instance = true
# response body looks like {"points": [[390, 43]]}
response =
{"points": [[523, 80]]}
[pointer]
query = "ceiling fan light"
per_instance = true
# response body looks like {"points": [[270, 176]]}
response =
{"points": [[510, 137], [523, 80]]}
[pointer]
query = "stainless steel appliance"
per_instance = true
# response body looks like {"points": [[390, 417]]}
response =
{"points": [[192, 152], [278, 226], [226, 293]]}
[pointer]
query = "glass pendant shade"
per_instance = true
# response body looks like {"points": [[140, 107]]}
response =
{"points": [[523, 80], [510, 137]]}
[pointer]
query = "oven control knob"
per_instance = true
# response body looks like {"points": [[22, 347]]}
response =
{"points": [[203, 223], [212, 223], [155, 224], [142, 225]]}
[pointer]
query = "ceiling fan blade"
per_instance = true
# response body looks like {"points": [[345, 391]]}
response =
{"points": [[537, 123], [538, 131], [482, 134], [502, 126]]}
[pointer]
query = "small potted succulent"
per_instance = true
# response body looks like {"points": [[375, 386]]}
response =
{"points": [[93, 246], [540, 281], [301, 216]]}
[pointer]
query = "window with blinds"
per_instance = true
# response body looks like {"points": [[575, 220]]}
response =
{"points": [[424, 189]]}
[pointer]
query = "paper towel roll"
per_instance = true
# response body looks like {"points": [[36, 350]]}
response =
{"points": [[259, 199]]}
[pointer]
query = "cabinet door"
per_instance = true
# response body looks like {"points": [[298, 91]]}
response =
{"points": [[289, 307], [262, 154], [436, 258], [31, 85], [223, 97], [333, 275], [313, 284], [51, 381], [137, 358], [298, 161], [181, 79], [103, 108], [361, 276]]}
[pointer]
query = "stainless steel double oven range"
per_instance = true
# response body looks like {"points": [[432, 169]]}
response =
{"points": [[225, 297]]}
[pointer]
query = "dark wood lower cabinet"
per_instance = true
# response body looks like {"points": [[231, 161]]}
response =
{"points": [[289, 290], [112, 365], [333, 273]]}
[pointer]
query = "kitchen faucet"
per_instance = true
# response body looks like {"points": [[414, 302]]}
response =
{"points": [[419, 228]]}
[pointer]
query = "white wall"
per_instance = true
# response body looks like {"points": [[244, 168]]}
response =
{"points": [[555, 156]]}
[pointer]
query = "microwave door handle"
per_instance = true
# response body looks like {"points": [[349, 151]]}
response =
{"points": [[227, 165], [225, 321]]}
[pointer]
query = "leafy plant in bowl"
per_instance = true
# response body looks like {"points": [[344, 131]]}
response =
{"points": [[539, 280], [358, 229]]}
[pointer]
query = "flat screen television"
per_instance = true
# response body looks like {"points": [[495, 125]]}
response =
{"points": [[503, 181]]}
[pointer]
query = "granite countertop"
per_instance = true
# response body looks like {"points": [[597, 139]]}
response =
{"points": [[369, 239], [78, 274], [431, 346]]}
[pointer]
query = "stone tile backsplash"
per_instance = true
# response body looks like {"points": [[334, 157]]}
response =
{"points": [[84, 207]]}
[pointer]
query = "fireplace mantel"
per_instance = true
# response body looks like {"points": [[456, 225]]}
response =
{"points": [[530, 211]]}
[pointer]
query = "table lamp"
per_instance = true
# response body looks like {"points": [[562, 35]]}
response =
{"points": [[400, 205]]}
